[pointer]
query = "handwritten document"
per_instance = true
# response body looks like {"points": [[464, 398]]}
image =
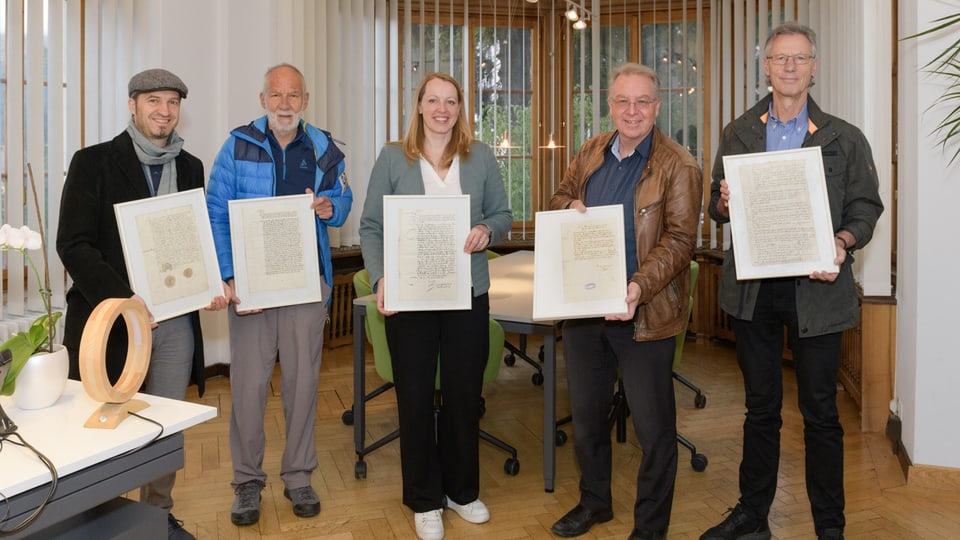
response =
{"points": [[274, 253], [275, 257], [171, 253], [592, 265], [777, 205], [779, 214], [427, 254], [424, 265], [580, 267]]}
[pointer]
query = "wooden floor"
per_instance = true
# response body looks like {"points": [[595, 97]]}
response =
{"points": [[879, 504]]}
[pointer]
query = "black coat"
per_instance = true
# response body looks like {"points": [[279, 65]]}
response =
{"points": [[88, 241]]}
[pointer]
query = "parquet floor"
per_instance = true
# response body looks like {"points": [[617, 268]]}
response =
{"points": [[879, 504]]}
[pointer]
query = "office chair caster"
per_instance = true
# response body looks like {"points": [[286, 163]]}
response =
{"points": [[511, 466], [510, 360], [560, 437], [537, 379], [347, 417], [700, 401], [698, 462], [360, 470]]}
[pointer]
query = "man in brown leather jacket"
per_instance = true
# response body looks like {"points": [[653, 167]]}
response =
{"points": [[659, 184]]}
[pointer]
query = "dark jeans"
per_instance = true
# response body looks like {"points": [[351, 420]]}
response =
{"points": [[816, 361], [443, 457], [595, 352]]}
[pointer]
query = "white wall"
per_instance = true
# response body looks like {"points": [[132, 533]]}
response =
{"points": [[221, 50], [927, 368]]}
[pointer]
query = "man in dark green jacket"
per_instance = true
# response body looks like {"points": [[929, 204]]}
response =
{"points": [[815, 309]]}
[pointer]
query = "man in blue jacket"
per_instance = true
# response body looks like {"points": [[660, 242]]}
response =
{"points": [[277, 154]]}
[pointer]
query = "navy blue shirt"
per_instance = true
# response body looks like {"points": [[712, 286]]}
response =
{"points": [[296, 164], [615, 182]]}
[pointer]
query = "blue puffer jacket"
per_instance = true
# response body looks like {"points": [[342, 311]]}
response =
{"points": [[244, 169]]}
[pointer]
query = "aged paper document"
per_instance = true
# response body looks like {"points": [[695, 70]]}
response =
{"points": [[425, 267], [779, 214], [169, 253], [427, 239], [593, 264], [275, 255], [579, 264]]}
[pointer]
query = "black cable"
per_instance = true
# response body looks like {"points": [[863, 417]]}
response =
{"points": [[53, 486], [53, 474], [146, 444]]}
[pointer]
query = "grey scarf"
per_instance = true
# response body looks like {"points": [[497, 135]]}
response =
{"points": [[150, 154]]}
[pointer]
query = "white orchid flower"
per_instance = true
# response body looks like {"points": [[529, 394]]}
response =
{"points": [[15, 238], [32, 239], [3, 233]]}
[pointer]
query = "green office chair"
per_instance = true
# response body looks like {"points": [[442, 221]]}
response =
{"points": [[619, 411], [376, 335]]}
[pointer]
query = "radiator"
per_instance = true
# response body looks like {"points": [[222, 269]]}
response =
{"points": [[339, 327]]}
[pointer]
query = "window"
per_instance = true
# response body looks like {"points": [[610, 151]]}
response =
{"points": [[499, 91], [669, 46], [504, 56]]}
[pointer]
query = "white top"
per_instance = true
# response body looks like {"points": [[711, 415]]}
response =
{"points": [[434, 185], [58, 433]]}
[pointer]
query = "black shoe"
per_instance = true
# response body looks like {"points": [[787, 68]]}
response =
{"points": [[579, 520], [246, 505], [305, 501], [175, 530], [637, 534], [739, 526], [831, 534]]}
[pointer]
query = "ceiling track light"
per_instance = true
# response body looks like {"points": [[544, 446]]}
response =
{"points": [[577, 14]]}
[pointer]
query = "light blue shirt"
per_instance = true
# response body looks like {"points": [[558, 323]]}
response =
{"points": [[786, 135]]}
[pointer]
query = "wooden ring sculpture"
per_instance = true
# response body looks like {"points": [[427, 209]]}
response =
{"points": [[93, 360]]}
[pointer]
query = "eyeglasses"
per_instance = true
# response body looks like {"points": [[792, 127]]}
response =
{"points": [[798, 59], [642, 103]]}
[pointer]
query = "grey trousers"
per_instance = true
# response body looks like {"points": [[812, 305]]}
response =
{"points": [[295, 335], [171, 361]]}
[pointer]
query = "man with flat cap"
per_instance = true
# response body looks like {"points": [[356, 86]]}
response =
{"points": [[145, 160]]}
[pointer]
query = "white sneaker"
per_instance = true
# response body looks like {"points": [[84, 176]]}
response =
{"points": [[475, 512], [429, 524]]}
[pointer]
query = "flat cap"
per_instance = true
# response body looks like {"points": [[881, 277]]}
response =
{"points": [[155, 79]]}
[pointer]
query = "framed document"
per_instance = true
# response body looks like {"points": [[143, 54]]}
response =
{"points": [[168, 248], [779, 214], [424, 266], [275, 259], [579, 264]]}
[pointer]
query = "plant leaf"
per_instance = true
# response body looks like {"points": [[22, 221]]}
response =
{"points": [[23, 345]]}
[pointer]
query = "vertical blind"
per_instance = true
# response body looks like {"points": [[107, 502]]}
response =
{"points": [[350, 94], [39, 130]]}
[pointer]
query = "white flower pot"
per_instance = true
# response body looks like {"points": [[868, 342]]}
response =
{"points": [[42, 380]]}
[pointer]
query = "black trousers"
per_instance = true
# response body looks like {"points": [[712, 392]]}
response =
{"points": [[440, 456], [816, 361], [596, 351]]}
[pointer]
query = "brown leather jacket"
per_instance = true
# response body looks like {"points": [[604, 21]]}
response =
{"points": [[667, 213]]}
